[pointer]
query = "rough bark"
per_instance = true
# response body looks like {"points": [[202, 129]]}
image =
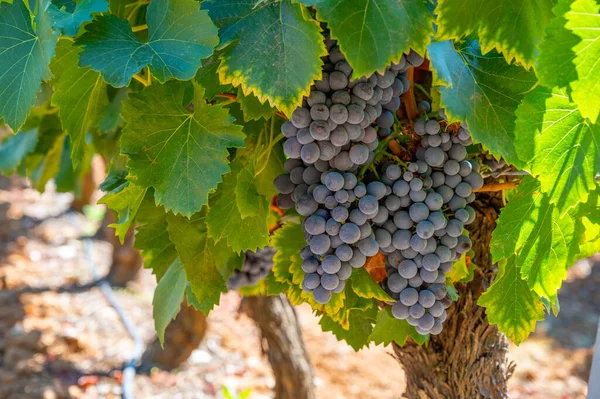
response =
{"points": [[182, 337], [469, 358], [126, 260], [282, 342]]}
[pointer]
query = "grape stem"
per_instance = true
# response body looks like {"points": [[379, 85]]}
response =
{"points": [[141, 80], [139, 28], [497, 187], [422, 90]]}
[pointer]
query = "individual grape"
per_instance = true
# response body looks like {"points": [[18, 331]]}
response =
{"points": [[330, 202], [288, 129], [431, 262], [310, 265], [323, 84], [363, 90], [462, 215], [349, 233], [413, 322], [464, 244], [457, 152], [428, 276], [392, 203], [423, 107], [417, 310], [301, 118], [316, 97], [400, 311], [304, 136], [409, 296], [420, 127], [436, 309], [414, 59], [306, 205], [385, 120], [432, 127], [454, 228], [451, 167], [320, 244], [320, 193], [465, 168], [337, 80], [463, 189], [393, 105], [291, 164], [401, 188], [418, 212], [446, 192], [434, 156], [341, 97], [407, 269], [322, 295], [292, 148], [333, 180], [319, 130], [332, 227], [358, 259], [371, 112], [401, 239], [355, 114], [403, 220], [359, 154], [425, 229], [475, 180], [368, 246], [437, 328], [310, 153], [328, 150], [331, 264], [285, 201], [314, 225], [340, 213], [336, 242], [368, 205], [283, 184], [448, 241], [344, 252], [345, 271], [426, 322], [312, 280], [433, 141], [472, 215], [417, 243]]}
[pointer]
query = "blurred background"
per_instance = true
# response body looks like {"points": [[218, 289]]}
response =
{"points": [[60, 338]]}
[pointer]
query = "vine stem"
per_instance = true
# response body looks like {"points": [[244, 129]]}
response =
{"points": [[497, 187], [141, 80], [422, 90]]}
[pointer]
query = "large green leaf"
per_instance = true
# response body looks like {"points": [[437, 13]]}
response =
{"points": [[69, 17], [559, 145], [152, 237], [388, 329], [199, 256], [374, 33], [554, 65], [361, 327], [25, 55], [168, 296], [510, 304], [179, 36], [208, 76], [483, 91], [542, 240], [14, 149], [225, 221], [182, 154], [584, 21], [248, 200], [80, 94], [252, 108], [125, 200], [513, 27], [288, 240], [275, 53]]}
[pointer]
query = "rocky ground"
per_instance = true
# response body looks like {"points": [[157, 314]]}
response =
{"points": [[59, 338]]}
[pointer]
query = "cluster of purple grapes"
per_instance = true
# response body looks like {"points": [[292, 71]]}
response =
{"points": [[420, 223], [327, 140], [256, 266]]}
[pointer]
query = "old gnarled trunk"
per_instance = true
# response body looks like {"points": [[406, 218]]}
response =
{"points": [[469, 358]]}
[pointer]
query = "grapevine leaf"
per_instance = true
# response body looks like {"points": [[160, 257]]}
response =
{"points": [[459, 270], [280, 69], [179, 36], [532, 229], [513, 28], [168, 296], [357, 336], [252, 108], [482, 91], [288, 240], [112, 113], [584, 21], [374, 33], [388, 329], [275, 287], [208, 77], [14, 149], [181, 154], [225, 220], [68, 18], [510, 304], [198, 255], [555, 65], [587, 219], [80, 94], [249, 201], [364, 286], [560, 146], [125, 200], [152, 237], [25, 53]]}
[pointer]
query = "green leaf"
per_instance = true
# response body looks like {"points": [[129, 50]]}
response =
{"points": [[25, 53], [80, 94], [125, 200], [559, 145], [510, 304], [181, 154], [554, 65], [249, 201], [459, 270], [67, 19], [532, 229], [208, 77], [482, 91], [584, 21], [388, 329], [374, 33], [252, 108], [357, 336], [225, 220], [179, 36], [199, 257], [152, 237], [513, 28], [288, 240], [112, 113], [14, 149], [168, 296], [279, 69], [364, 286]]}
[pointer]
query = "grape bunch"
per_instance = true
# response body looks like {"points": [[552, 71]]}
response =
{"points": [[420, 223], [328, 138], [256, 267]]}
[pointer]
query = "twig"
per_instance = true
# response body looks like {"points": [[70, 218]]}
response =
{"points": [[497, 187], [139, 28]]}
